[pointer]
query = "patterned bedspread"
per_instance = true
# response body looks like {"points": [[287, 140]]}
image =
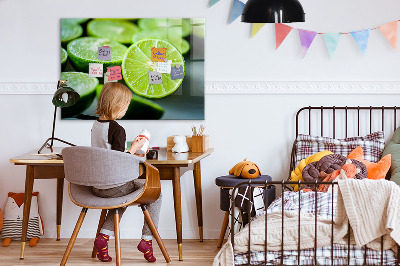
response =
{"points": [[323, 207]]}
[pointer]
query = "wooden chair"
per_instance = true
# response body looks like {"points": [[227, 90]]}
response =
{"points": [[85, 167]]}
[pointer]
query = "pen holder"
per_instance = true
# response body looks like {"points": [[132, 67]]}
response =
{"points": [[200, 143]]}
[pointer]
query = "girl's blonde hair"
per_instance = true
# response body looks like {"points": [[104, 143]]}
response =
{"points": [[114, 97]]}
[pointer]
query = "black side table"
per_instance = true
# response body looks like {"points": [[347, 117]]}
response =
{"points": [[226, 183]]}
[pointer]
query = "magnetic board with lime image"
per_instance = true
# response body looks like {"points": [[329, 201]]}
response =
{"points": [[173, 99]]}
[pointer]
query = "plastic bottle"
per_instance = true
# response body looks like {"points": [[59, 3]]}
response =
{"points": [[144, 134]]}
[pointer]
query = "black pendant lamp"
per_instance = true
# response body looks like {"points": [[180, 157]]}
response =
{"points": [[273, 11]]}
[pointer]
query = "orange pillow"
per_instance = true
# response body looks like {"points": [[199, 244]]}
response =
{"points": [[375, 170]]}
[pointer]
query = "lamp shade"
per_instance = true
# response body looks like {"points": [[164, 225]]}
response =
{"points": [[273, 11], [65, 97]]}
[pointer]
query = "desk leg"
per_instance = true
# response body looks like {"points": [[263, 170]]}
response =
{"points": [[176, 182], [199, 204], [60, 190], [27, 206]]}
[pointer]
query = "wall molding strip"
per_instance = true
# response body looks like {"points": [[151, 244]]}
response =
{"points": [[248, 87]]}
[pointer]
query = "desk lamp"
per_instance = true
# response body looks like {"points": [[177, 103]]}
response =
{"points": [[273, 11], [63, 97]]}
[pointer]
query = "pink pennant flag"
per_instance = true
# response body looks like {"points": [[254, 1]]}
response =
{"points": [[306, 39], [281, 31], [389, 30]]}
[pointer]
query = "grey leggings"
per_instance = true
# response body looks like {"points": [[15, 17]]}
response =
{"points": [[154, 208]]}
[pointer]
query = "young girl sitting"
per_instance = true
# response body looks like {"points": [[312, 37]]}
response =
{"points": [[106, 133]]}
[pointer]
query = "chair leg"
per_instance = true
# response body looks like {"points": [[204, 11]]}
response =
{"points": [[117, 239], [154, 230], [223, 229], [73, 237], [101, 222]]}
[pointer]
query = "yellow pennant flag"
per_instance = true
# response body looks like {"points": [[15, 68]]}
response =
{"points": [[256, 28]]}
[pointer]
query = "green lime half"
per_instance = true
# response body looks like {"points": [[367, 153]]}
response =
{"points": [[85, 86], [76, 20], [70, 31], [137, 64], [114, 30], [139, 108], [64, 57], [157, 23], [182, 45], [84, 50]]}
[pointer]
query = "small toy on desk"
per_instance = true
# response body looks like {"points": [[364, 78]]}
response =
{"points": [[180, 144], [13, 215], [245, 169]]}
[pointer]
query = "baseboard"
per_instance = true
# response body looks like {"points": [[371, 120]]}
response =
{"points": [[248, 87]]}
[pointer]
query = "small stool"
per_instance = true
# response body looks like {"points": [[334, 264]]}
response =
{"points": [[226, 183]]}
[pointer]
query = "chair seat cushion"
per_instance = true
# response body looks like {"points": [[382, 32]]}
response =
{"points": [[83, 195]]}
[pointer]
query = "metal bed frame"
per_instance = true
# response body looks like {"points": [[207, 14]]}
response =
{"points": [[283, 184]]}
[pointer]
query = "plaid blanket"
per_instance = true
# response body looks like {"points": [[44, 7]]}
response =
{"points": [[323, 205]]}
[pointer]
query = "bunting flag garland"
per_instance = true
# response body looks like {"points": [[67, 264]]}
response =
{"points": [[389, 30], [237, 8], [256, 28], [332, 41], [361, 37], [213, 2], [306, 39], [281, 31]]}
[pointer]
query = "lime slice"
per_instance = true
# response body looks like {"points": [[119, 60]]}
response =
{"points": [[139, 108], [64, 57], [70, 31], [76, 20], [137, 63], [182, 45], [85, 86], [114, 30], [157, 23], [84, 50]]}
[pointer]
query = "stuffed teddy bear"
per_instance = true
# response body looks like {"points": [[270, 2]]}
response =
{"points": [[13, 215], [245, 169], [180, 144]]}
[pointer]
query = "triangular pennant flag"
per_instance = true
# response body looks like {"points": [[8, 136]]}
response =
{"points": [[389, 30], [306, 39], [237, 9], [256, 28], [361, 37], [332, 41], [213, 2], [281, 31]]}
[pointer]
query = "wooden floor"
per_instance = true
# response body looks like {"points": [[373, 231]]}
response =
{"points": [[50, 252]]}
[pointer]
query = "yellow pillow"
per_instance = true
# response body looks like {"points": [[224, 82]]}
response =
{"points": [[296, 174]]}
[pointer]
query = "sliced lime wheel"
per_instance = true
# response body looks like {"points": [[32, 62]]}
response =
{"points": [[70, 31], [84, 50], [64, 57], [76, 20], [114, 30], [139, 108], [157, 23], [85, 86], [137, 64], [171, 36]]}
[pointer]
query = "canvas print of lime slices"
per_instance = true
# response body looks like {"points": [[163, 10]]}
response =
{"points": [[161, 23], [83, 51], [137, 64], [70, 30]]}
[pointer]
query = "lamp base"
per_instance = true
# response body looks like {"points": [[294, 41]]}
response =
{"points": [[50, 146]]}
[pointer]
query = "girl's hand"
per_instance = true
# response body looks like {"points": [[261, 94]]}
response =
{"points": [[142, 155], [137, 144]]}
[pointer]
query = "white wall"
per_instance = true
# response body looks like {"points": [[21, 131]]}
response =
{"points": [[258, 127]]}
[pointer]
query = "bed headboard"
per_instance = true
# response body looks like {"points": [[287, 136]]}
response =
{"points": [[344, 121]]}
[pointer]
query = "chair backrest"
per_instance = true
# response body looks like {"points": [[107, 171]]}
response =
{"points": [[92, 166]]}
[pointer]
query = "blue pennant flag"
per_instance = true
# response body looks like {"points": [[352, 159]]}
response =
{"points": [[237, 9], [332, 41], [213, 2], [361, 38]]}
